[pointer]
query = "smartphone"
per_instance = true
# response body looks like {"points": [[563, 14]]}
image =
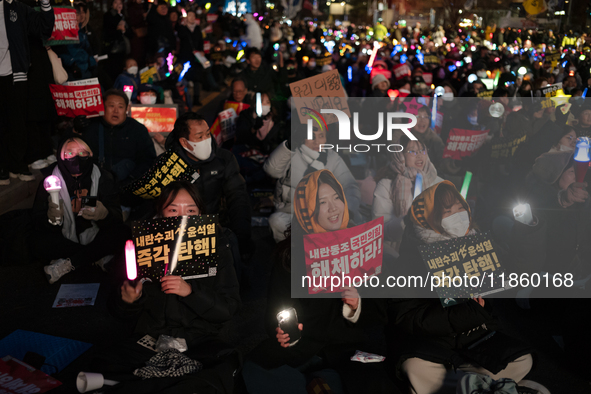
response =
{"points": [[288, 321], [88, 201]]}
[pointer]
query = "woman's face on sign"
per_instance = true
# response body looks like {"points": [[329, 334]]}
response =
{"points": [[331, 208], [182, 205]]}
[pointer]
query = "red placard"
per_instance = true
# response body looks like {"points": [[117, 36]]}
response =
{"points": [[72, 101], [352, 252], [211, 18], [401, 71], [65, 28], [156, 119], [463, 143], [18, 377]]}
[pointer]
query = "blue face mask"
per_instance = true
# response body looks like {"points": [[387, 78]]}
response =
{"points": [[473, 120]]}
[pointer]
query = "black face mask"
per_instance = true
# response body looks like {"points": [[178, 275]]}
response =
{"points": [[77, 164]]}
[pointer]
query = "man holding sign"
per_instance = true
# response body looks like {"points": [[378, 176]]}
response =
{"points": [[17, 22]]}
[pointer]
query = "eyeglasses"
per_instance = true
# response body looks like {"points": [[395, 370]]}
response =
{"points": [[423, 117], [82, 153], [416, 152]]}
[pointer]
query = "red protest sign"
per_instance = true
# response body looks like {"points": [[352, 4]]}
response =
{"points": [[72, 101], [211, 18], [18, 377], [65, 28], [156, 118], [463, 143], [352, 252], [401, 71]]}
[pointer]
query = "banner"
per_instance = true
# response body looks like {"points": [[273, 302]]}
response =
{"points": [[169, 167], [401, 71], [431, 59], [17, 377], [65, 28], [180, 245], [350, 252], [473, 255], [72, 101], [157, 118], [224, 126], [551, 91], [323, 91], [506, 149], [463, 143]]}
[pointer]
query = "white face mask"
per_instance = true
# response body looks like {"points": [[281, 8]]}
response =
{"points": [[201, 149], [148, 100], [266, 109], [508, 67], [132, 70], [564, 148], [456, 224], [448, 96]]}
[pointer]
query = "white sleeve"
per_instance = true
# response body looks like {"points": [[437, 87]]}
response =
{"points": [[349, 314], [278, 162]]}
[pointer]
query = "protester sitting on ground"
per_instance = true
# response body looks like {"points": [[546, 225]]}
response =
{"points": [[290, 166], [332, 329], [192, 309], [122, 144], [431, 339], [238, 98], [258, 75], [149, 94], [219, 181], [74, 232], [129, 77], [427, 136], [395, 189]]}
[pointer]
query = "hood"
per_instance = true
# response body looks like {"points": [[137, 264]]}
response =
{"points": [[550, 166]]}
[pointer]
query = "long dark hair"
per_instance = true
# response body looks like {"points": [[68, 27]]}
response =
{"points": [[386, 172], [170, 192]]}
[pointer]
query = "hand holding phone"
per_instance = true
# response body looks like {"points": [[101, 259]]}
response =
{"points": [[288, 330]]}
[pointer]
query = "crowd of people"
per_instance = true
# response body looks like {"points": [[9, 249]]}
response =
{"points": [[518, 94]]}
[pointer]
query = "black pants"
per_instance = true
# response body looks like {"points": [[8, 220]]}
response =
{"points": [[119, 359], [53, 245], [13, 130]]}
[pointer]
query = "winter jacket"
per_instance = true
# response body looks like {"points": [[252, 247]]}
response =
{"points": [[126, 79], [160, 32], [79, 55], [22, 21], [264, 79], [129, 140], [220, 180], [244, 135], [213, 301], [289, 167], [191, 41]]}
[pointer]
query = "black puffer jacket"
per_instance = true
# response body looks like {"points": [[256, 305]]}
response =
{"points": [[213, 302], [221, 185]]}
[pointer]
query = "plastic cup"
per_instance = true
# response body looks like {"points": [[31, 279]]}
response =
{"points": [[88, 381]]}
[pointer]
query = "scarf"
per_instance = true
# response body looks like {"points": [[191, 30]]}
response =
{"points": [[305, 202], [316, 160], [402, 191]]}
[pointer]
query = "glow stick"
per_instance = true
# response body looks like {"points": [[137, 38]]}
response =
{"points": [[128, 89], [582, 158], [259, 107], [434, 112], [466, 184], [376, 46], [130, 263], [418, 185]]}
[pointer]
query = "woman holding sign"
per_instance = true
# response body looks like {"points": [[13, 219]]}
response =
{"points": [[397, 185], [194, 310], [329, 330], [432, 341]]}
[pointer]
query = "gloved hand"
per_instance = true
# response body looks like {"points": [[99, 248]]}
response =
{"points": [[81, 124], [100, 212], [55, 212]]}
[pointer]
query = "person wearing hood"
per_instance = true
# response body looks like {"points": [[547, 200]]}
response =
{"points": [[77, 232], [219, 175], [434, 342], [290, 164], [148, 94], [129, 77], [395, 187], [253, 36], [123, 145]]}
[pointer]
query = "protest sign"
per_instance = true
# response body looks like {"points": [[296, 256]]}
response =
{"points": [[506, 149], [83, 82], [72, 101], [401, 71], [149, 74], [473, 255], [463, 143], [170, 167], [238, 107], [323, 91], [550, 91], [179, 245], [156, 118], [350, 252], [224, 126], [431, 59], [18, 377], [65, 28], [76, 295], [487, 94]]}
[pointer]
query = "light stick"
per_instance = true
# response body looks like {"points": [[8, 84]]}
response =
{"points": [[376, 46], [434, 112], [259, 104], [522, 213], [418, 185], [128, 89], [130, 263], [53, 185], [466, 184], [582, 158]]}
